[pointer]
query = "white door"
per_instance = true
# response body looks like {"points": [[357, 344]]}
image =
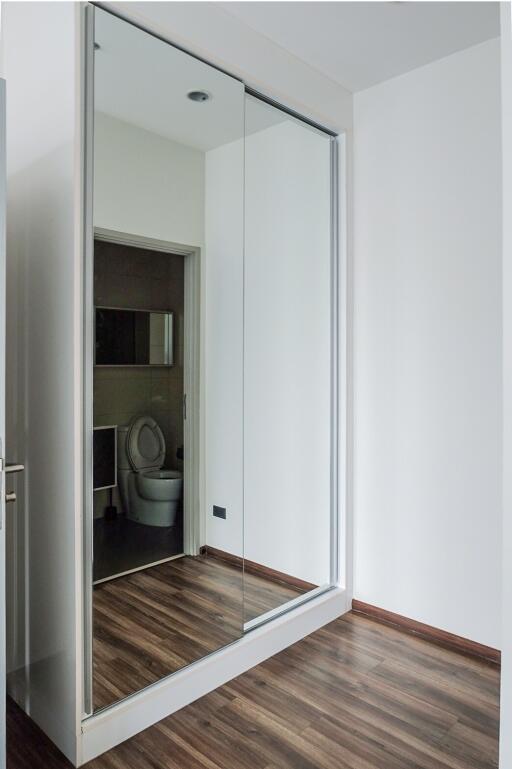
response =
{"points": [[7, 494], [3, 476]]}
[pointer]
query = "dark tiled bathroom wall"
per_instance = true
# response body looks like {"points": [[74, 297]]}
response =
{"points": [[148, 280]]}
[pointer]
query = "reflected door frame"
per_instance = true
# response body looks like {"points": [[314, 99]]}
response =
{"points": [[192, 373]]}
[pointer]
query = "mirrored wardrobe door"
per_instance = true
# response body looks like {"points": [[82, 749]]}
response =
{"points": [[289, 316], [166, 324]]}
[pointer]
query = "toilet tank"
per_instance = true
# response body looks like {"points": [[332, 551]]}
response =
{"points": [[123, 462]]}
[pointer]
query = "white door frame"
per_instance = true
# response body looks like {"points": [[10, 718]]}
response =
{"points": [[506, 659], [6, 487], [191, 373], [3, 666]]}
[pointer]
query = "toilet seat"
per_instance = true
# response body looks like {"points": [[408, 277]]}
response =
{"points": [[145, 444]]}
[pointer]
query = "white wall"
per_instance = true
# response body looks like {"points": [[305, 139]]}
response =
{"points": [[223, 345], [135, 184], [287, 370], [506, 658], [427, 344]]}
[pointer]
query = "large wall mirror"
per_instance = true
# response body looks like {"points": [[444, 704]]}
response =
{"points": [[210, 344], [290, 312]]}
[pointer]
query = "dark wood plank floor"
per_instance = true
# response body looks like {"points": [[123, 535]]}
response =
{"points": [[354, 695], [154, 622]]}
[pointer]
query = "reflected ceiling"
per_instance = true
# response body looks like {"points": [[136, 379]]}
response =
{"points": [[149, 89]]}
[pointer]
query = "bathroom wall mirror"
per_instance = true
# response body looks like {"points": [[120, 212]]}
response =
{"points": [[133, 337], [168, 189]]}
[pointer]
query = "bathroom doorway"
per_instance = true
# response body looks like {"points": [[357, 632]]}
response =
{"points": [[145, 406]]}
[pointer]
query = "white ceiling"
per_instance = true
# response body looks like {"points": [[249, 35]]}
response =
{"points": [[359, 44]]}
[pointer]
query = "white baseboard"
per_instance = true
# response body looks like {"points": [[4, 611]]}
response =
{"points": [[116, 724]]}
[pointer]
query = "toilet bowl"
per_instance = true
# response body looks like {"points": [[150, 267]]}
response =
{"points": [[149, 493]]}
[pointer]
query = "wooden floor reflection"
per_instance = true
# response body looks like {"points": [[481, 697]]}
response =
{"points": [[153, 622]]}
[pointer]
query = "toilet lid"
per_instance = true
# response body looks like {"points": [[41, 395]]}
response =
{"points": [[145, 444]]}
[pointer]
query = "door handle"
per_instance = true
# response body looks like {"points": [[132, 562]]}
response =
{"points": [[14, 468], [10, 496]]}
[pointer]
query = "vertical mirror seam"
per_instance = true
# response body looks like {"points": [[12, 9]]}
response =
{"points": [[335, 363]]}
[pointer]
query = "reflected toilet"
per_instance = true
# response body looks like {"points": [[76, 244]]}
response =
{"points": [[149, 493]]}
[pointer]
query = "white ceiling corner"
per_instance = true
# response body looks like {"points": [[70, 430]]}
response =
{"points": [[359, 44]]}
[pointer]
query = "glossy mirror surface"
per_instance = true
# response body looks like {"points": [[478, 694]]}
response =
{"points": [[289, 317], [168, 221]]}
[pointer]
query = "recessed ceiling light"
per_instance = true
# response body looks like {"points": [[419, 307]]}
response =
{"points": [[199, 96]]}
